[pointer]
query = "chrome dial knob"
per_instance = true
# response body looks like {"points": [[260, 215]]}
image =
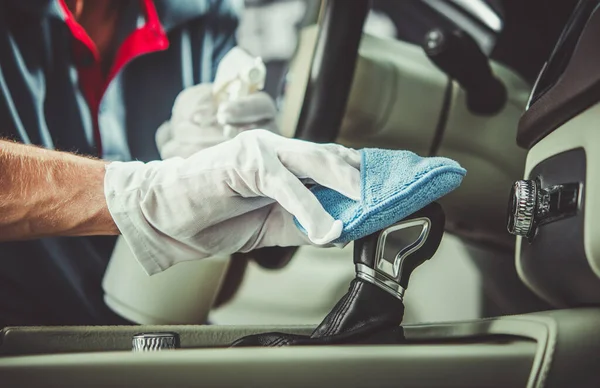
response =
{"points": [[531, 205], [152, 342], [522, 208]]}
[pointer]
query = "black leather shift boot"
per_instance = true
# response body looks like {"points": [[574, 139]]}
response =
{"points": [[362, 312]]}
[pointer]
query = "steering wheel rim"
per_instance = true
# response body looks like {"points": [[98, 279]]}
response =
{"points": [[332, 70], [327, 90]]}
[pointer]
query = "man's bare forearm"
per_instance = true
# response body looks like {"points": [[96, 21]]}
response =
{"points": [[49, 193]]}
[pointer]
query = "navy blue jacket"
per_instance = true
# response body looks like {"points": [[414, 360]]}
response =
{"points": [[58, 280]]}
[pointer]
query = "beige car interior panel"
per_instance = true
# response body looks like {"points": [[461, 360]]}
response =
{"points": [[485, 146], [297, 80], [531, 350], [396, 97], [504, 365]]}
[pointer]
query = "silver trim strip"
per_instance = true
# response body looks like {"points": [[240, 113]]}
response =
{"points": [[380, 280]]}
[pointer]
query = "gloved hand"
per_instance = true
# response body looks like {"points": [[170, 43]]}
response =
{"points": [[197, 122], [234, 197]]}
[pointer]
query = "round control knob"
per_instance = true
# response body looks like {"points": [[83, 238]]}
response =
{"points": [[521, 208], [152, 342]]}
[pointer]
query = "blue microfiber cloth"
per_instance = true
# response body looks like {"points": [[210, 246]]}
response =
{"points": [[394, 184]]}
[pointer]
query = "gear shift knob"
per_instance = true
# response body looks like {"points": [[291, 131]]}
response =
{"points": [[387, 258]]}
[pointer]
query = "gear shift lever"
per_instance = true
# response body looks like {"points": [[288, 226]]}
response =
{"points": [[384, 262]]}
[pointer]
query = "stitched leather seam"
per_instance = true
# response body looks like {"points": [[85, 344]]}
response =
{"points": [[345, 308], [276, 341], [338, 315], [284, 342]]}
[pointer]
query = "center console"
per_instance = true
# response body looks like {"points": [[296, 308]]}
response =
{"points": [[360, 343]]}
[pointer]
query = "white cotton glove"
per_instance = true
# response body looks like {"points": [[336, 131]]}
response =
{"points": [[198, 122], [234, 197]]}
